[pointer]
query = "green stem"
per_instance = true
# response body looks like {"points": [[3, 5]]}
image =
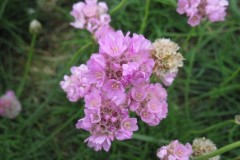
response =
{"points": [[215, 126], [234, 74], [55, 133], [189, 75], [219, 151], [118, 7], [149, 139], [144, 22], [28, 64], [33, 118]]}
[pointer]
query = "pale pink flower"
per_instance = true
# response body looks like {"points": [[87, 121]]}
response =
{"points": [[91, 15], [102, 31], [169, 78], [10, 106], [183, 5], [175, 151], [216, 10], [194, 20], [76, 85], [113, 44], [196, 10]]}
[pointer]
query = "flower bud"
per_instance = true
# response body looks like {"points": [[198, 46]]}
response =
{"points": [[35, 27]]}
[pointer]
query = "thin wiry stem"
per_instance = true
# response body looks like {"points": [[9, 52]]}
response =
{"points": [[215, 126], [144, 22], [28, 65], [118, 7]]}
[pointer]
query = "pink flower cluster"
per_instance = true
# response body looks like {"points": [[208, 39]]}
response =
{"points": [[114, 81], [196, 10], [91, 16], [10, 107], [175, 151]]}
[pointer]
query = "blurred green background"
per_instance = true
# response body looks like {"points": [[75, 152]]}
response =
{"points": [[205, 93]]}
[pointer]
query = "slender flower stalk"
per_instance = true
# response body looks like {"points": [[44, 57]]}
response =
{"points": [[118, 7], [219, 151], [144, 22], [215, 126], [28, 64], [175, 151]]}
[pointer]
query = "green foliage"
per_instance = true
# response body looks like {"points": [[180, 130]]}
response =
{"points": [[205, 93]]}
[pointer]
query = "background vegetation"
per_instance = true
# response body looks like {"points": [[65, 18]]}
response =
{"points": [[206, 91]]}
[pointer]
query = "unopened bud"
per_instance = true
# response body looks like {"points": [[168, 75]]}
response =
{"points": [[35, 27]]}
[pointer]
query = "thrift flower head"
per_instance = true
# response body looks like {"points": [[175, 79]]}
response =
{"points": [[114, 81], [105, 121], [10, 107], [196, 10], [175, 151], [167, 60], [92, 16], [203, 146]]}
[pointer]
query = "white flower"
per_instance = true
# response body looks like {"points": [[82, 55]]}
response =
{"points": [[203, 146]]}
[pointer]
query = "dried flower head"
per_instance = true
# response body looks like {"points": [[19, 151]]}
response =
{"points": [[35, 27], [237, 119], [203, 146], [167, 59], [10, 107]]}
